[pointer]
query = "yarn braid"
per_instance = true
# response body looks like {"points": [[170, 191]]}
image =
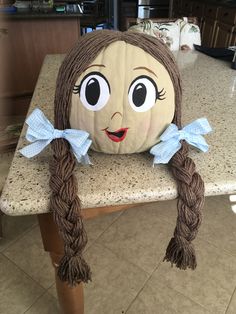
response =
{"points": [[65, 206], [64, 202], [180, 250]]}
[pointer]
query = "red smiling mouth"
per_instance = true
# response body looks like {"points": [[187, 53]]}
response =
{"points": [[118, 135]]}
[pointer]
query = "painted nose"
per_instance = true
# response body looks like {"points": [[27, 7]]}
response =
{"points": [[116, 121], [116, 113]]}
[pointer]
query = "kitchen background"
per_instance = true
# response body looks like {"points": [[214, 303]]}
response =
{"points": [[29, 30]]}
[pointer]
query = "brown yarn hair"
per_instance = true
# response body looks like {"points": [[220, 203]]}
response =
{"points": [[65, 203]]}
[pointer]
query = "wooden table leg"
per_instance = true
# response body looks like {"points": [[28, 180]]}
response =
{"points": [[70, 298]]}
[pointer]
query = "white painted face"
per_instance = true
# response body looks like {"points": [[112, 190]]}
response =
{"points": [[125, 99]]}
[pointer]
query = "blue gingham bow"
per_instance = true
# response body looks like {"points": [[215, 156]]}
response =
{"points": [[41, 132], [170, 140]]}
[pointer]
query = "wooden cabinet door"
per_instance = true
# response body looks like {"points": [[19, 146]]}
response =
{"points": [[227, 15], [223, 34], [211, 11], [24, 44], [208, 30]]}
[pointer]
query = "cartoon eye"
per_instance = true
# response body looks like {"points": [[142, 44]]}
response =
{"points": [[143, 93], [94, 91]]}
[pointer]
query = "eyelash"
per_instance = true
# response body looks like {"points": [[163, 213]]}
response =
{"points": [[76, 89], [160, 94]]}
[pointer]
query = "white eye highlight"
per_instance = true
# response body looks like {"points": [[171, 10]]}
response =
{"points": [[142, 94], [94, 91]]}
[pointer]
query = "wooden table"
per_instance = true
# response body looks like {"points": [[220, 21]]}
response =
{"points": [[118, 182]]}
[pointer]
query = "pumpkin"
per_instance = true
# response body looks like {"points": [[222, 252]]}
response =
{"points": [[124, 99]]}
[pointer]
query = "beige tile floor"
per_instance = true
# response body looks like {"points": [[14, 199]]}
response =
{"points": [[125, 251]]}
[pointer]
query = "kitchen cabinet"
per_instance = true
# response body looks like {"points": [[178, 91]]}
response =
{"points": [[225, 27], [223, 35], [207, 31], [24, 42], [217, 21], [210, 14]]}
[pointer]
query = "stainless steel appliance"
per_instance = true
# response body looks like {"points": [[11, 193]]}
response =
{"points": [[153, 8]]}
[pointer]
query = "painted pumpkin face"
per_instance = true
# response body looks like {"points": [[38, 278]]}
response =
{"points": [[124, 99]]}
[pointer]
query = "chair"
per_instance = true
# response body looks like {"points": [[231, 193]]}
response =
{"points": [[130, 21], [177, 33]]}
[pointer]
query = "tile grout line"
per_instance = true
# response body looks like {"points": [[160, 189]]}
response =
{"points": [[29, 277], [234, 292], [123, 258], [210, 311], [171, 288], [141, 289], [215, 246], [150, 275], [50, 292], [19, 237], [36, 300], [36, 282], [117, 255], [181, 293], [95, 239]]}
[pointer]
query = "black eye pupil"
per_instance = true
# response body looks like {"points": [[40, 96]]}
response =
{"points": [[92, 91], [139, 94]]}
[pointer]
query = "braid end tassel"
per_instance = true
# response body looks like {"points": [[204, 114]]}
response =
{"points": [[181, 254], [74, 270]]}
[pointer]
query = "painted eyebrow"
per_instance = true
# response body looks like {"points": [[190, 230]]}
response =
{"points": [[144, 68], [95, 65]]}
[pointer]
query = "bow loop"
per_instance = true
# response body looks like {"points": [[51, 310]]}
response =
{"points": [[163, 153], [170, 140], [199, 127], [44, 126], [41, 132], [170, 132]]}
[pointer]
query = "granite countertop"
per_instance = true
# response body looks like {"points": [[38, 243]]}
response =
{"points": [[209, 90], [42, 15]]}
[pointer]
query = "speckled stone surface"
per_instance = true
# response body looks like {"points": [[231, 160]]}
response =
{"points": [[209, 91]]}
